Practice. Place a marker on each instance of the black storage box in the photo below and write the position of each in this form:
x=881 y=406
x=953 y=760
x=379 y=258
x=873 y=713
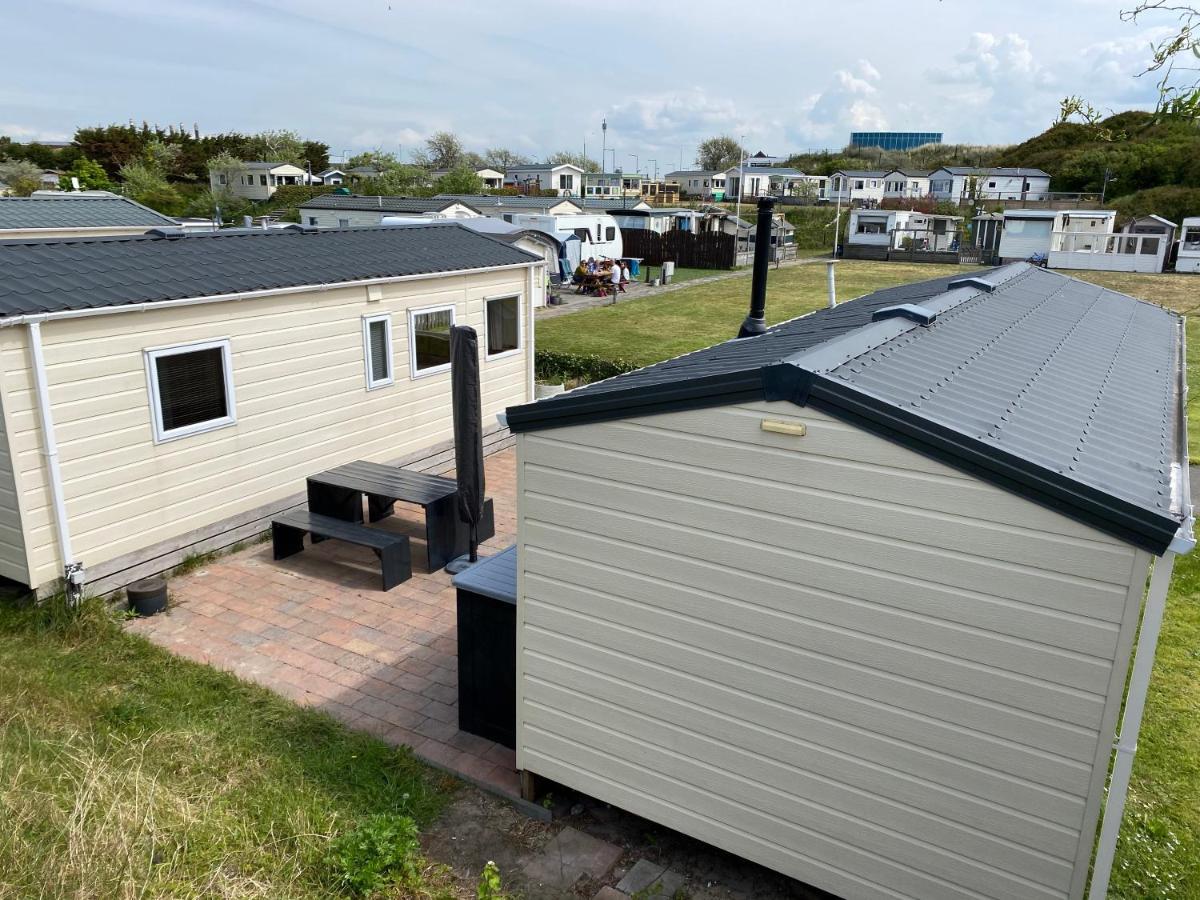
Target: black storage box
x=487 y=648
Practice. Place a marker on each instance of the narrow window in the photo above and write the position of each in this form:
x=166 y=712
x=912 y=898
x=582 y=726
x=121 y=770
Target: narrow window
x=503 y=325
x=262 y=180
x=610 y=233
x=191 y=389
x=429 y=339
x=377 y=350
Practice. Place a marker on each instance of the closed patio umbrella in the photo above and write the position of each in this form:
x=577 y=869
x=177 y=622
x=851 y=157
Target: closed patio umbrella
x=468 y=434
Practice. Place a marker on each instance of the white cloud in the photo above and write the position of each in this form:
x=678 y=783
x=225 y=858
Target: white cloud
x=850 y=102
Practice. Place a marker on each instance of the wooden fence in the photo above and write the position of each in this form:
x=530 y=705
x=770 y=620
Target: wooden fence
x=710 y=250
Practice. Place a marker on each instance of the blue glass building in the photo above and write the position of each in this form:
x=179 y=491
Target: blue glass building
x=894 y=140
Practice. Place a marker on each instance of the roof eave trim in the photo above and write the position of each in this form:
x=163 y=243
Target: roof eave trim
x=144 y=306
x=1135 y=525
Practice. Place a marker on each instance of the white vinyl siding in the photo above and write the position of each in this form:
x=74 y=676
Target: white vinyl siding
x=13 y=562
x=827 y=653
x=301 y=408
x=377 y=350
x=1022 y=238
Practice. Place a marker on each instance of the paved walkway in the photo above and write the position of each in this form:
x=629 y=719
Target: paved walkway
x=637 y=289
x=317 y=629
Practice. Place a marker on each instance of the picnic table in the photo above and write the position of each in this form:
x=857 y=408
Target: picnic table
x=338 y=493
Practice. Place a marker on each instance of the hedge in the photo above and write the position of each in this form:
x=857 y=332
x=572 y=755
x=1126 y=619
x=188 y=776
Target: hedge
x=551 y=366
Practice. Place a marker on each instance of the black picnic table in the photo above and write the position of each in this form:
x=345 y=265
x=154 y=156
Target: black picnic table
x=338 y=492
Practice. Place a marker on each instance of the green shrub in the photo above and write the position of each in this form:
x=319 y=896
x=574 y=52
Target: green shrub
x=551 y=365
x=489 y=887
x=380 y=850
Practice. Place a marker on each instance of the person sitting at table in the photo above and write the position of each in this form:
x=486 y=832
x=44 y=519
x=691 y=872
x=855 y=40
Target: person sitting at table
x=581 y=274
x=615 y=277
x=591 y=265
x=624 y=274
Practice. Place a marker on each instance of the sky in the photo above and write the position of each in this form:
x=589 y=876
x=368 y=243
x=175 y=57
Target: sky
x=539 y=76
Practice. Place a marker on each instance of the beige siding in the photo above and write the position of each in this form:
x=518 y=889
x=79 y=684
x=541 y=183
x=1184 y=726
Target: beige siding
x=41 y=233
x=828 y=654
x=301 y=401
x=13 y=562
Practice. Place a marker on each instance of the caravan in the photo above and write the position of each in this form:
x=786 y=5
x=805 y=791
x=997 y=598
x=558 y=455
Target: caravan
x=599 y=235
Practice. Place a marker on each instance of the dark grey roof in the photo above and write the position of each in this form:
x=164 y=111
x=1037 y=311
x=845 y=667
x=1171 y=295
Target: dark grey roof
x=50 y=275
x=483 y=202
x=70 y=211
x=861 y=173
x=1001 y=170
x=382 y=204
x=1061 y=390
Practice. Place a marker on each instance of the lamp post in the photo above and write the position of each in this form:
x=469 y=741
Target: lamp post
x=636 y=165
x=740 y=187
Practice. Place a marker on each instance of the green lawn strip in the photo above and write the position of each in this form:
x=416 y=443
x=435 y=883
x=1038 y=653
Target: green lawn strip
x=659 y=327
x=1158 y=852
x=126 y=771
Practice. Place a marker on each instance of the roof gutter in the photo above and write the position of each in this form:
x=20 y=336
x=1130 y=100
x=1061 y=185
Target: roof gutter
x=32 y=318
x=1181 y=481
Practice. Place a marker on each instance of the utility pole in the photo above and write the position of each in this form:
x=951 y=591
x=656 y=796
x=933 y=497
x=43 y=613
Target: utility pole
x=603 y=142
x=738 y=206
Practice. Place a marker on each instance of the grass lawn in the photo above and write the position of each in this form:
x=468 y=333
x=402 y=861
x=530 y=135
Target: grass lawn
x=658 y=327
x=127 y=772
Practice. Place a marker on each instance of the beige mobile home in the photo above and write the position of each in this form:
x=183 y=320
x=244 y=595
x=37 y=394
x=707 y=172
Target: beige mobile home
x=856 y=599
x=85 y=214
x=166 y=390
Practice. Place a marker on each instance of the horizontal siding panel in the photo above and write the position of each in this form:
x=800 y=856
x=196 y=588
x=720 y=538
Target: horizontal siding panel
x=856 y=633
x=545 y=748
x=1100 y=561
x=636 y=513
x=941 y=492
x=974 y=764
x=568 y=612
x=792 y=578
x=550 y=679
x=838 y=813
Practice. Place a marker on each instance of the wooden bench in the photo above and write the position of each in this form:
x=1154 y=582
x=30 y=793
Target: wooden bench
x=338 y=493
x=287 y=539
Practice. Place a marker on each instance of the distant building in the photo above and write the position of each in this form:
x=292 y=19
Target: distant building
x=350 y=210
x=565 y=178
x=894 y=140
x=258 y=180
x=70 y=215
x=968 y=183
x=612 y=184
x=698 y=183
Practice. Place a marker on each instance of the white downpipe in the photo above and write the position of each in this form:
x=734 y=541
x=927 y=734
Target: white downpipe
x=50 y=447
x=530 y=376
x=1131 y=723
x=830 y=278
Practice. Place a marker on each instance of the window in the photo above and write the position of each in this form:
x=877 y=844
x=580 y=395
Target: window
x=377 y=350
x=503 y=321
x=610 y=233
x=429 y=339
x=191 y=389
x=312 y=220
x=858 y=184
x=584 y=234
x=566 y=182
x=222 y=178
x=343 y=223
x=262 y=179
x=991 y=184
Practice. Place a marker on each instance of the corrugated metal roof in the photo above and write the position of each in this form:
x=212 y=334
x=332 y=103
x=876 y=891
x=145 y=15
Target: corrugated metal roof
x=383 y=204
x=1056 y=388
x=70 y=211
x=49 y=276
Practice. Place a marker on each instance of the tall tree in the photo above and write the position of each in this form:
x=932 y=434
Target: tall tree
x=227 y=167
x=461 y=180
x=718 y=153
x=90 y=175
x=443 y=150
x=566 y=157
x=501 y=158
x=277 y=146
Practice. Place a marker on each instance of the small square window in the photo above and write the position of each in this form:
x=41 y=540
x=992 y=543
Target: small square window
x=377 y=350
x=429 y=339
x=610 y=233
x=343 y=223
x=191 y=389
x=503 y=321
x=312 y=220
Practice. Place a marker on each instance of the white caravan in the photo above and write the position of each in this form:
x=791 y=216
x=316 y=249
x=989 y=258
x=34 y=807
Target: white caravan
x=599 y=235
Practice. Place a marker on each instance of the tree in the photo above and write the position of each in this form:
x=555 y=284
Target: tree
x=90 y=175
x=500 y=158
x=276 y=146
x=567 y=158
x=228 y=168
x=1174 y=58
x=718 y=153
x=316 y=155
x=443 y=150
x=461 y=180
x=20 y=175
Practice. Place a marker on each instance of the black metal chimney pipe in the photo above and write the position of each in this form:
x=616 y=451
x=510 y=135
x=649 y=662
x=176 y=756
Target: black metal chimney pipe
x=756 y=322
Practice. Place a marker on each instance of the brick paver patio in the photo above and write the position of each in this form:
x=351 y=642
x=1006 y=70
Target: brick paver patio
x=316 y=628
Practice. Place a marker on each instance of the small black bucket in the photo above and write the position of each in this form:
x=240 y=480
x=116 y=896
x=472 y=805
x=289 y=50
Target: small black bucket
x=148 y=596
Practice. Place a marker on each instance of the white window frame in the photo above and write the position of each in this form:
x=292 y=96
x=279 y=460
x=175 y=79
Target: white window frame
x=151 y=354
x=412 y=339
x=372 y=383
x=520 y=327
